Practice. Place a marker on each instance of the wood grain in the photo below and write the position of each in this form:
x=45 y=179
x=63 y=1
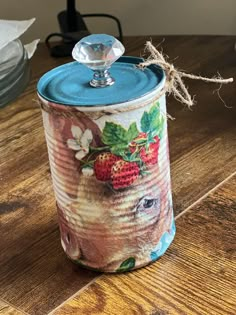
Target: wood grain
x=6 y=309
x=195 y=277
x=32 y=261
x=35 y=275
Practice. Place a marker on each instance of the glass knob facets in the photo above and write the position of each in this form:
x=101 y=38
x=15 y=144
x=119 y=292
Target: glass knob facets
x=98 y=52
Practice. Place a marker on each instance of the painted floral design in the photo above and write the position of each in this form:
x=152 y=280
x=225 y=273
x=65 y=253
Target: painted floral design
x=125 y=155
x=127 y=265
x=81 y=142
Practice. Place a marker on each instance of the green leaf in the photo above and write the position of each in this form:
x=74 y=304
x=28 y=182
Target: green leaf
x=158 y=104
x=135 y=156
x=118 y=138
x=127 y=265
x=161 y=126
x=145 y=122
x=119 y=149
x=114 y=134
x=151 y=136
x=157 y=121
x=131 y=158
x=149 y=120
x=154 y=114
x=132 y=132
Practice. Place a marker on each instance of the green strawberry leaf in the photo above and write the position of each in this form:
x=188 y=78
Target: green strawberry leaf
x=132 y=132
x=127 y=265
x=145 y=122
x=154 y=114
x=151 y=136
x=157 y=121
x=162 y=126
x=131 y=158
x=149 y=120
x=119 y=149
x=147 y=147
x=114 y=134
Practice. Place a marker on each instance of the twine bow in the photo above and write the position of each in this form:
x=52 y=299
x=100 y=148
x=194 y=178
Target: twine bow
x=174 y=77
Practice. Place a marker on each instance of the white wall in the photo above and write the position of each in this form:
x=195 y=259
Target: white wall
x=138 y=17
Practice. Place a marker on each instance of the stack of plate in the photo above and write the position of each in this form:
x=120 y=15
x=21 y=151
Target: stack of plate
x=14 y=71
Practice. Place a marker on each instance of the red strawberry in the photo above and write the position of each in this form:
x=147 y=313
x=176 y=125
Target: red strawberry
x=150 y=156
x=133 y=145
x=123 y=174
x=103 y=165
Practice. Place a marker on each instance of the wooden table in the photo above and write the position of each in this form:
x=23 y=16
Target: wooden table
x=197 y=274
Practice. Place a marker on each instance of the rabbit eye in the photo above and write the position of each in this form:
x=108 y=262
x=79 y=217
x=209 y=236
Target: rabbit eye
x=148 y=203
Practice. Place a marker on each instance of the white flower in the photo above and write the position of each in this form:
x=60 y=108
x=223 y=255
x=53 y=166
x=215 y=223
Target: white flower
x=80 y=142
x=87 y=171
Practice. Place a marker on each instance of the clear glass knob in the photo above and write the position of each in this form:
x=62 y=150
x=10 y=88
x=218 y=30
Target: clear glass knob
x=98 y=52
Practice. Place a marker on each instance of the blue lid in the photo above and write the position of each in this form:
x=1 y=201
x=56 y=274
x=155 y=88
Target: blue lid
x=69 y=83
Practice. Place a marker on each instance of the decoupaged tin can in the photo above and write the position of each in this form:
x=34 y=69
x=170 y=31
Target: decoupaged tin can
x=108 y=151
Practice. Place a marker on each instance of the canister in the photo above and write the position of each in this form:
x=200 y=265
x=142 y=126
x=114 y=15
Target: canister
x=105 y=125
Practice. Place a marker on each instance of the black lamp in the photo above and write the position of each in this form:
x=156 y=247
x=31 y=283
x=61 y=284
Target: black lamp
x=73 y=28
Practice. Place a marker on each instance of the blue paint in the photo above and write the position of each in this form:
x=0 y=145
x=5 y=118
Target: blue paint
x=164 y=243
x=69 y=83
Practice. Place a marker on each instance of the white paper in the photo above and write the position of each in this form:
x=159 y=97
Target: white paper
x=11 y=30
x=31 y=47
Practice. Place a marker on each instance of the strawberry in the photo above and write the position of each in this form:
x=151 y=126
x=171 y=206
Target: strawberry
x=103 y=165
x=150 y=155
x=124 y=173
x=142 y=137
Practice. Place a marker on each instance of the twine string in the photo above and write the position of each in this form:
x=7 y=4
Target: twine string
x=174 y=78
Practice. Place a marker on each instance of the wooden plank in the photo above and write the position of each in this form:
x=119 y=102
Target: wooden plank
x=202 y=154
x=33 y=263
x=6 y=309
x=195 y=277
